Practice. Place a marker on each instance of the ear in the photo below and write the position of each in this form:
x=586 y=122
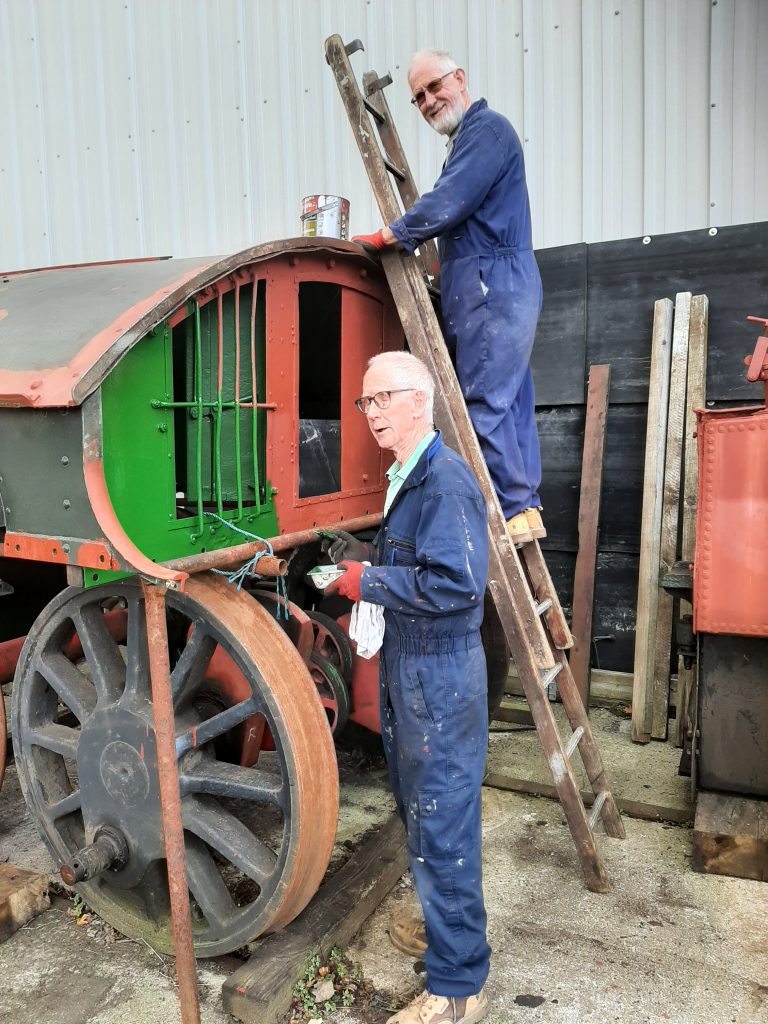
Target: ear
x=461 y=77
x=419 y=404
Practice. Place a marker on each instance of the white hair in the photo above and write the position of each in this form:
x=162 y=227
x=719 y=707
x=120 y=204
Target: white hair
x=406 y=371
x=442 y=58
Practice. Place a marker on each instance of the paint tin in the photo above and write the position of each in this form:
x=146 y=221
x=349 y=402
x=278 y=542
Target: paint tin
x=325 y=215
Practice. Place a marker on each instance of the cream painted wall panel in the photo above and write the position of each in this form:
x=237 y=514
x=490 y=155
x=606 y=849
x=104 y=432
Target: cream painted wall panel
x=613 y=118
x=154 y=127
x=739 y=112
x=676 y=115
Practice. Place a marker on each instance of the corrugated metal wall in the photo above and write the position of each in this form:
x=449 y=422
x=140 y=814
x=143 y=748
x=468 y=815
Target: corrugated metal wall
x=148 y=127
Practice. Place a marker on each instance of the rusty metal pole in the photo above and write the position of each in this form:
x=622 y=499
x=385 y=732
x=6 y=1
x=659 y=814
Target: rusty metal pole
x=170 y=800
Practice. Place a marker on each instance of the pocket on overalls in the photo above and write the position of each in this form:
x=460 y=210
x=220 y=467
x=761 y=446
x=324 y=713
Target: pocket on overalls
x=446 y=819
x=401 y=552
x=417 y=695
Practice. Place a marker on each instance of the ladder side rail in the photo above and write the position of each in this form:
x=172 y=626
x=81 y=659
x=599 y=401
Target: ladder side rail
x=390 y=138
x=568 y=792
x=544 y=590
x=587 y=748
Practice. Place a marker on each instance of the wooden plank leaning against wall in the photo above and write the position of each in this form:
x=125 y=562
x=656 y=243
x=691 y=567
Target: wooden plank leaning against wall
x=650 y=542
x=589 y=512
x=695 y=399
x=670 y=514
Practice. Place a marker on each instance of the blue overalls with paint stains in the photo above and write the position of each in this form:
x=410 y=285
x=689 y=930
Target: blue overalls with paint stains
x=490 y=293
x=432 y=555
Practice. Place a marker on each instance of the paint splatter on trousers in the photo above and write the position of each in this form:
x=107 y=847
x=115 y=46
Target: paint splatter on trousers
x=434 y=718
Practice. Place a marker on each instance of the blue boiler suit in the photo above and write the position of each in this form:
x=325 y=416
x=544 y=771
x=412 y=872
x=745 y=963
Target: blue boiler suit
x=490 y=293
x=432 y=555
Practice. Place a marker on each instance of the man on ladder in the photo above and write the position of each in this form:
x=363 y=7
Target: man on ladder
x=490 y=285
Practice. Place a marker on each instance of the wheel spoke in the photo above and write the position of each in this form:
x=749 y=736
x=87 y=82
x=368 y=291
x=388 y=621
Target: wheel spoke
x=206 y=884
x=189 y=670
x=69 y=804
x=58 y=738
x=101 y=653
x=220 y=779
x=215 y=726
x=226 y=834
x=73 y=688
x=137 y=686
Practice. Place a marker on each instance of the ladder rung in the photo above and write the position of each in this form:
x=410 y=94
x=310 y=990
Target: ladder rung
x=544 y=606
x=573 y=742
x=550 y=675
x=377 y=115
x=594 y=814
x=393 y=169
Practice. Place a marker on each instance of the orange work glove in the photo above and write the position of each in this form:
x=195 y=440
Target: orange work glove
x=348 y=585
x=371 y=243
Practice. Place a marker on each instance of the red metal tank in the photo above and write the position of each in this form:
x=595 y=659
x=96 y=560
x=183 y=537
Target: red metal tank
x=731 y=563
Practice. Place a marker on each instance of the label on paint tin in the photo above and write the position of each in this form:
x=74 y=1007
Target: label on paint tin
x=325 y=216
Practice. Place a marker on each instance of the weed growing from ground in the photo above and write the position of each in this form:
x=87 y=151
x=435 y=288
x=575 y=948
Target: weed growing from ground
x=325 y=986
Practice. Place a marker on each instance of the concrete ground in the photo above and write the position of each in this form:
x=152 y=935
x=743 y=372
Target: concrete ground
x=664 y=945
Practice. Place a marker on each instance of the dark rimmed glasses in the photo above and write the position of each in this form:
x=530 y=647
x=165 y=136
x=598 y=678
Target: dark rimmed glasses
x=382 y=399
x=432 y=88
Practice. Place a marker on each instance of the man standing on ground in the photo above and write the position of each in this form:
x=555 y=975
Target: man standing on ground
x=429 y=574
x=489 y=281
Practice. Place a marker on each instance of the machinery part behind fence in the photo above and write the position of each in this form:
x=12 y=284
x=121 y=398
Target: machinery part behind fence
x=257 y=840
x=331 y=641
x=332 y=689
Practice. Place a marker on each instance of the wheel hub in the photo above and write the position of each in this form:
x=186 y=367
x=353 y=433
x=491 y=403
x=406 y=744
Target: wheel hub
x=119 y=785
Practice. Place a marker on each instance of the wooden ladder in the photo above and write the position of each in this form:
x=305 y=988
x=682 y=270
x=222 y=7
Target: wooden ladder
x=519 y=581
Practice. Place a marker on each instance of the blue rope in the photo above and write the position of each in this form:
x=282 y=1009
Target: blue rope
x=239 y=576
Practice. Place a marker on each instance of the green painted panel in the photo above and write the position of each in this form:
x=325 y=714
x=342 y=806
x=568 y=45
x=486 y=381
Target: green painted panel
x=150 y=443
x=227 y=431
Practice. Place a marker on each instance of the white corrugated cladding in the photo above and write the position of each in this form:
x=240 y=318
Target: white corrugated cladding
x=147 y=127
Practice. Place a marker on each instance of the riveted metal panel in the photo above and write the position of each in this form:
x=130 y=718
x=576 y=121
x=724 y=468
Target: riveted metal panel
x=731 y=564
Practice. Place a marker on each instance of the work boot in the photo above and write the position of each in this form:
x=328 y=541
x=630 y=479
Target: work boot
x=429 y=1009
x=535 y=522
x=519 y=529
x=409 y=935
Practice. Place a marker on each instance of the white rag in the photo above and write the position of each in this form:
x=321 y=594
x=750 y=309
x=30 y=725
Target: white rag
x=366 y=627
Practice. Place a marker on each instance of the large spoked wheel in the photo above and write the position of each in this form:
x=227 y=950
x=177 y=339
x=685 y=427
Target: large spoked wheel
x=258 y=840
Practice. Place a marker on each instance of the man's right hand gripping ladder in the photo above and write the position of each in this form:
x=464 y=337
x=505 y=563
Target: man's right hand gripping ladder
x=519 y=581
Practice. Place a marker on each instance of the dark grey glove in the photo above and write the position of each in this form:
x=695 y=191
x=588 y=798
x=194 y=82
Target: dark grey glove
x=344 y=547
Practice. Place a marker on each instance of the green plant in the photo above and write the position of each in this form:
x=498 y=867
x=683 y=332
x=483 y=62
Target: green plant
x=337 y=982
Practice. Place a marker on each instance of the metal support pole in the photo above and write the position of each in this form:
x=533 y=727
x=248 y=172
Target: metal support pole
x=170 y=800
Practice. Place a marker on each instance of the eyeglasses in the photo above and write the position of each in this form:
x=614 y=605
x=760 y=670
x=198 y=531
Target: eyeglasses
x=382 y=399
x=431 y=87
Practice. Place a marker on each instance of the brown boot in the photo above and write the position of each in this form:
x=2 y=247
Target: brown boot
x=535 y=522
x=519 y=529
x=429 y=1009
x=409 y=935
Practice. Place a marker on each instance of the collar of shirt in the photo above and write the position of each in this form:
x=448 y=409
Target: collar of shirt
x=397 y=474
x=404 y=471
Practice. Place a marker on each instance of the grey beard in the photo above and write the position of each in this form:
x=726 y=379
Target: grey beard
x=448 y=120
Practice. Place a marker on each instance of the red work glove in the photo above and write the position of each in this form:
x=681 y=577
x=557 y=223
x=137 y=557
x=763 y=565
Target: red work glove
x=371 y=243
x=348 y=585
